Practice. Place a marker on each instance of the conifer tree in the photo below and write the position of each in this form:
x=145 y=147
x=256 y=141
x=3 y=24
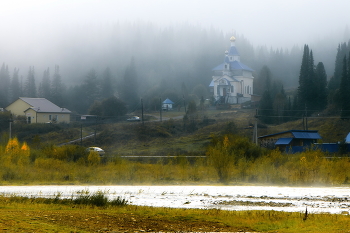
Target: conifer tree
x=344 y=90
x=321 y=86
x=45 y=85
x=266 y=108
x=29 y=87
x=107 y=85
x=303 y=78
x=334 y=82
x=130 y=85
x=57 y=88
x=16 y=90
x=307 y=90
x=4 y=85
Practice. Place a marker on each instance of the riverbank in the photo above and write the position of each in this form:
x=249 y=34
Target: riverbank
x=28 y=215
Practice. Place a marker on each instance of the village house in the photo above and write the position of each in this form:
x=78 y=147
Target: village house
x=167 y=104
x=39 y=110
x=232 y=82
x=290 y=141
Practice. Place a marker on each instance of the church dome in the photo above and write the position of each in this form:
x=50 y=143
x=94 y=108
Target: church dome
x=232 y=39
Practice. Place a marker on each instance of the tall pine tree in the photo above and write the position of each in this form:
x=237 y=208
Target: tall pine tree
x=45 y=85
x=344 y=90
x=107 y=84
x=16 y=89
x=130 y=86
x=4 y=85
x=321 y=86
x=57 y=88
x=29 y=87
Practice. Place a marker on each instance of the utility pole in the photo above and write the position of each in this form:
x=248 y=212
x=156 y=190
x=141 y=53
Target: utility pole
x=306 y=127
x=255 y=131
x=10 y=135
x=142 y=110
x=183 y=97
x=81 y=134
x=160 y=109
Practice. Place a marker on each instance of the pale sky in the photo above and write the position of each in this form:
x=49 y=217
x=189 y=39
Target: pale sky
x=277 y=23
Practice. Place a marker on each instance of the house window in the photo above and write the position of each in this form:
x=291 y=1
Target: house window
x=50 y=117
x=232 y=89
x=225 y=66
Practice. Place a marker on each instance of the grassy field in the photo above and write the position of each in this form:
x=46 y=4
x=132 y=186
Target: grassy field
x=52 y=165
x=50 y=215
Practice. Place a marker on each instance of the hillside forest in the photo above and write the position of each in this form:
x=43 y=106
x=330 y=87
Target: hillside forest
x=127 y=62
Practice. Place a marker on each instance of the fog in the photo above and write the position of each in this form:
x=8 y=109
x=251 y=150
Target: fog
x=81 y=35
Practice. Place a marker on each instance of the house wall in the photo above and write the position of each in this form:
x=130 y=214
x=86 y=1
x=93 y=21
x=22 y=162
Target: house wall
x=167 y=106
x=18 y=107
x=49 y=117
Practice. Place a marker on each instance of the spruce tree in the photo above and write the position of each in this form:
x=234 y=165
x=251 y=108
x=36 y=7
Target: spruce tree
x=4 y=85
x=307 y=91
x=266 y=108
x=344 y=90
x=45 y=85
x=303 y=78
x=57 y=87
x=29 y=87
x=321 y=86
x=130 y=86
x=16 y=90
x=107 y=84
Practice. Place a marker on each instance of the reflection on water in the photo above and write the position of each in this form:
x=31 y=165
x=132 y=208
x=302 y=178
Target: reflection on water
x=292 y=199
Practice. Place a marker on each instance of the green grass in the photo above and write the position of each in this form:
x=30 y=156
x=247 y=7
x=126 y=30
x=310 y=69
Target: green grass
x=36 y=215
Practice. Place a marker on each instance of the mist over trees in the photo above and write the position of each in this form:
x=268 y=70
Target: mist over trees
x=141 y=60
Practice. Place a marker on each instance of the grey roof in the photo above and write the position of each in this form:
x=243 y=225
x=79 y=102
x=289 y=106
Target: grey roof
x=43 y=105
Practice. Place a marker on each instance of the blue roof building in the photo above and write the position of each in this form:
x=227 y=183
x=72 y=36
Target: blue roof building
x=232 y=81
x=167 y=104
x=292 y=140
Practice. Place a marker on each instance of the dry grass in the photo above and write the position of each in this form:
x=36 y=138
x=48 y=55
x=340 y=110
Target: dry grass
x=31 y=216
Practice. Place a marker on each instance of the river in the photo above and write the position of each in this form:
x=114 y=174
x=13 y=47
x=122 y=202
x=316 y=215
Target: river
x=290 y=199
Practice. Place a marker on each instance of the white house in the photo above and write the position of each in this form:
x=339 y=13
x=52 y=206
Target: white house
x=167 y=104
x=232 y=81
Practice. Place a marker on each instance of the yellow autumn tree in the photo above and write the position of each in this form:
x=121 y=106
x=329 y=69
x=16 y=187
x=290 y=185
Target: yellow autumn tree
x=93 y=158
x=16 y=154
x=221 y=158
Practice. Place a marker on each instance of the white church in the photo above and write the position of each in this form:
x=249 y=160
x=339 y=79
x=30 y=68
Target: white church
x=232 y=81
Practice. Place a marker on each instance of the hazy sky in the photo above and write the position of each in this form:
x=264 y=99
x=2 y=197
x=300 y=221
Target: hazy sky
x=34 y=31
x=279 y=23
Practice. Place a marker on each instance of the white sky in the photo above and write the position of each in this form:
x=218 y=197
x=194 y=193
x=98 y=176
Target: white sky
x=277 y=23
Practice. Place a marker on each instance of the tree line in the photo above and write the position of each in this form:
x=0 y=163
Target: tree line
x=316 y=94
